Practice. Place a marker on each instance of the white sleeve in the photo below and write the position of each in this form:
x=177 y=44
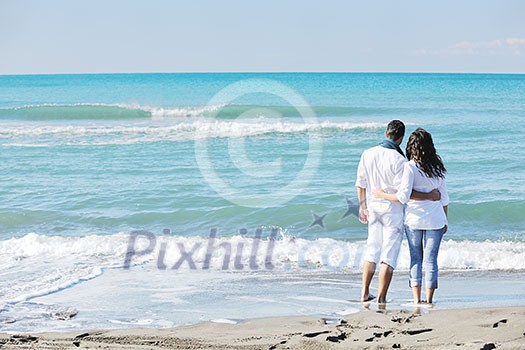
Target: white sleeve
x=361 y=180
x=404 y=189
x=444 y=192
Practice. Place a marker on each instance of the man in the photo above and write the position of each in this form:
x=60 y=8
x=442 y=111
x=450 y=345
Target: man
x=381 y=167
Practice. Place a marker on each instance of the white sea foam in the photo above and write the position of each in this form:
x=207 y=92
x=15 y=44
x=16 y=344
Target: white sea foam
x=287 y=252
x=224 y=320
x=165 y=124
x=35 y=265
x=131 y=133
x=156 y=112
x=163 y=113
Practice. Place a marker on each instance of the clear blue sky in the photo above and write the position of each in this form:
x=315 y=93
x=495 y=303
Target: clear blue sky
x=65 y=36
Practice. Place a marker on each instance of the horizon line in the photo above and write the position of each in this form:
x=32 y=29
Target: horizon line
x=262 y=72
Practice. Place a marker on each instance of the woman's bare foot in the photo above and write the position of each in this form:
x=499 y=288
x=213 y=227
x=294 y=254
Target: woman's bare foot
x=366 y=298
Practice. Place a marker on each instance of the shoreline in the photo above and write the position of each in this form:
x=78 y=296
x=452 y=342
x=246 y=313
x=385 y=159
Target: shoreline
x=185 y=299
x=483 y=328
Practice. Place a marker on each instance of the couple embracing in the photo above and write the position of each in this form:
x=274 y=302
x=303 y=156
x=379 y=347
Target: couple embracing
x=397 y=196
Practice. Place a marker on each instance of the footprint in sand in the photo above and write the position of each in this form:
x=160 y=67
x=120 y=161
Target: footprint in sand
x=496 y=325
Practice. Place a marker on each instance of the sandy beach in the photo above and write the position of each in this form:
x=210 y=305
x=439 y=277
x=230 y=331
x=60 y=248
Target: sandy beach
x=486 y=328
x=196 y=174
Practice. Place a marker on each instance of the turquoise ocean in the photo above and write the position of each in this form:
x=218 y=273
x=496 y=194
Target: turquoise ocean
x=267 y=163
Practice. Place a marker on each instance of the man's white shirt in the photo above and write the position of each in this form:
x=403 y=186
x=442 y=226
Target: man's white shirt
x=381 y=168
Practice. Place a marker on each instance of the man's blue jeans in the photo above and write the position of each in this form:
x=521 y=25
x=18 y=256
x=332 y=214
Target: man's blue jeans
x=424 y=248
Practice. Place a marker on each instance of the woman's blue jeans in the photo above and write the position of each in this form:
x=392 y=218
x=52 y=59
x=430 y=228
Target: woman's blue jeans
x=424 y=248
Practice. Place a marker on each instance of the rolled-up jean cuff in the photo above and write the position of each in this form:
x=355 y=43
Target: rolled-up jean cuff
x=414 y=283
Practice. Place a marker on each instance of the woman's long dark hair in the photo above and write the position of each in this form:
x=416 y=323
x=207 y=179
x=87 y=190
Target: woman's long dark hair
x=420 y=149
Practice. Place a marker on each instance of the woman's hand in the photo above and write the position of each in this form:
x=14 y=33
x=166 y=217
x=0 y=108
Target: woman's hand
x=445 y=229
x=378 y=193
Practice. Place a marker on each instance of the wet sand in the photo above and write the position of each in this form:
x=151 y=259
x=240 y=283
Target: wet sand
x=486 y=328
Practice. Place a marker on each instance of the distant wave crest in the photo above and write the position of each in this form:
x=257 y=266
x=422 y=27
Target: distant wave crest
x=41 y=135
x=133 y=111
x=101 y=111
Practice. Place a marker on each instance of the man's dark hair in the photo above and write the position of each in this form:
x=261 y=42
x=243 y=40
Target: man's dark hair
x=395 y=129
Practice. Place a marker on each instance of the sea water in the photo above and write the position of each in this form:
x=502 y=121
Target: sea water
x=263 y=163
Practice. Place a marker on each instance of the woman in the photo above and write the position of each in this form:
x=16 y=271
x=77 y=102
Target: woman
x=425 y=221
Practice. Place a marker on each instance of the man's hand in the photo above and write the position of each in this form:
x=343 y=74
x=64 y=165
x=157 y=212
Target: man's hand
x=363 y=215
x=434 y=195
x=363 y=212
